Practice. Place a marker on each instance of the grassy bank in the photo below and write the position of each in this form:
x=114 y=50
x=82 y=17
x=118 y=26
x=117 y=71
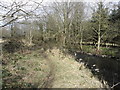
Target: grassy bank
x=49 y=69
x=103 y=50
x=71 y=74
x=26 y=71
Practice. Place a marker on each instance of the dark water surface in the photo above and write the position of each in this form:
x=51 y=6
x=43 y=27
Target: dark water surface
x=104 y=68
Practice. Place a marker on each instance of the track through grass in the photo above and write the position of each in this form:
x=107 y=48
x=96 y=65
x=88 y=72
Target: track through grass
x=67 y=73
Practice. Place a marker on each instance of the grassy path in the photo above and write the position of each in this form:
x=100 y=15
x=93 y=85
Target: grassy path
x=48 y=81
x=50 y=69
x=65 y=72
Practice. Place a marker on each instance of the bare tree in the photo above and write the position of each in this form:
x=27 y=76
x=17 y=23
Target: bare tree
x=17 y=10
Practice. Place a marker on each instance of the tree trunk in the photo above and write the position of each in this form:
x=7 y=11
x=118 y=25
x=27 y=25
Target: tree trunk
x=81 y=39
x=12 y=31
x=30 y=38
x=99 y=33
x=98 y=47
x=64 y=37
x=99 y=37
x=81 y=43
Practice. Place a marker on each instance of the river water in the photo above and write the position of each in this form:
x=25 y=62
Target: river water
x=104 y=68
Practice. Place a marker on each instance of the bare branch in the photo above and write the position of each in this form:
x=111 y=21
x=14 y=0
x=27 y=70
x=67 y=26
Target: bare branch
x=9 y=22
x=115 y=85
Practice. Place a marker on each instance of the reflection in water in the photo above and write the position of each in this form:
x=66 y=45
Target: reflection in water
x=104 y=68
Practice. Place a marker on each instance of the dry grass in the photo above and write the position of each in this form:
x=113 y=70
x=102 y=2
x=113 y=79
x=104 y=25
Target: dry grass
x=65 y=71
x=68 y=74
x=27 y=72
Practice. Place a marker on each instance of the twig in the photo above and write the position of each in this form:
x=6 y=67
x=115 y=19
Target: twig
x=9 y=22
x=115 y=85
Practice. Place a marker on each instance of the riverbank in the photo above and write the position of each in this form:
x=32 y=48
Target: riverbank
x=104 y=68
x=71 y=74
x=103 y=52
x=49 y=69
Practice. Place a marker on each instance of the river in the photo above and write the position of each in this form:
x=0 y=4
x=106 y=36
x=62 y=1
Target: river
x=104 y=68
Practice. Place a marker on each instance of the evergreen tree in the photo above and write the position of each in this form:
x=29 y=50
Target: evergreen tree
x=100 y=23
x=115 y=24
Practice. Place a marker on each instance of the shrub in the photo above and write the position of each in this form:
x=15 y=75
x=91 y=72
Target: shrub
x=12 y=46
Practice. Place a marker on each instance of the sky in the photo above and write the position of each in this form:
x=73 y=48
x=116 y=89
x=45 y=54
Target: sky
x=31 y=2
x=65 y=0
x=44 y=2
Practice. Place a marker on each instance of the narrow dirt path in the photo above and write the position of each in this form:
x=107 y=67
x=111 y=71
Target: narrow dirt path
x=65 y=73
x=48 y=81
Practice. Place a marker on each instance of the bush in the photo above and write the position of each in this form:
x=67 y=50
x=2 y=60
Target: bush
x=12 y=46
x=109 y=51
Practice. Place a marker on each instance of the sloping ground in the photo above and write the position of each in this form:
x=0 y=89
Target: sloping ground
x=48 y=81
x=29 y=71
x=69 y=73
x=51 y=69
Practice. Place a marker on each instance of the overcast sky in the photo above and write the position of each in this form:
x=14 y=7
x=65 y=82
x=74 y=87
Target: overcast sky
x=44 y=2
x=65 y=0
